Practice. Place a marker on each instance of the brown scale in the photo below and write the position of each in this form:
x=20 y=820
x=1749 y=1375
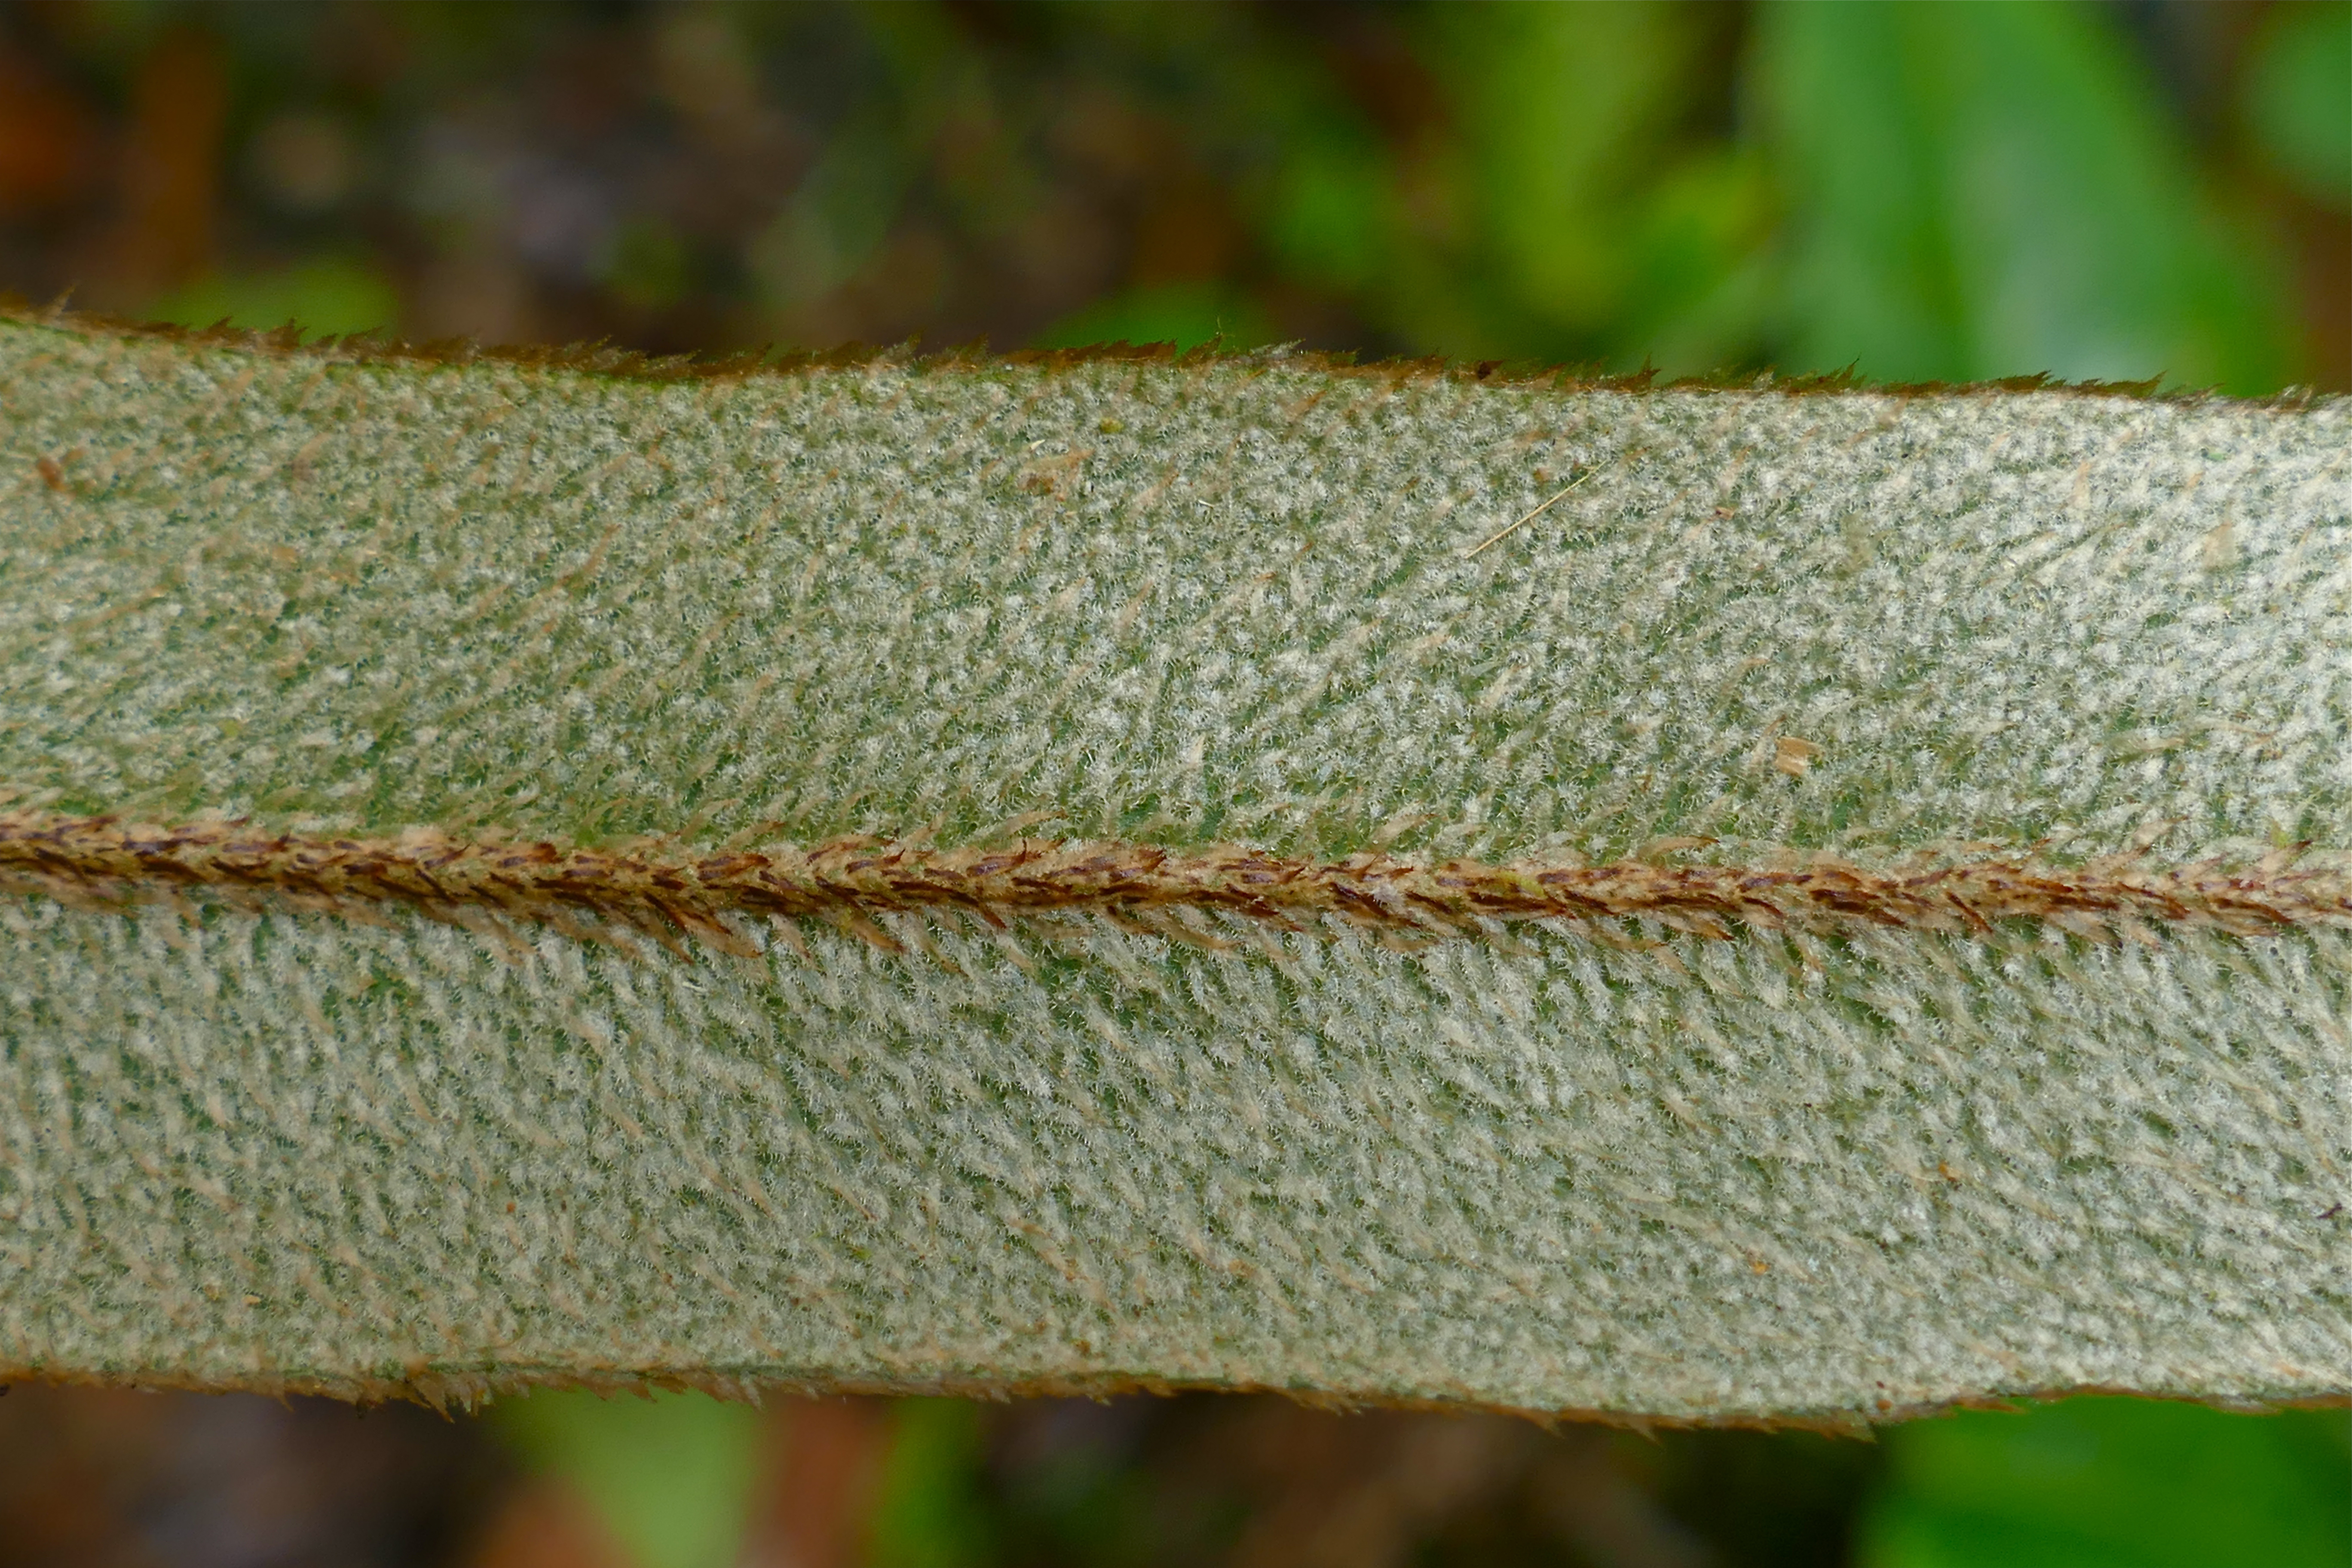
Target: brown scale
x=107 y=860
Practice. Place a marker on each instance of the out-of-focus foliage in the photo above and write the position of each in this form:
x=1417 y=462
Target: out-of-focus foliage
x=670 y=1475
x=1561 y=195
x=1975 y=191
x=331 y=295
x=2298 y=97
x=1915 y=191
x=2115 y=1483
x=135 y=1478
x=928 y=1512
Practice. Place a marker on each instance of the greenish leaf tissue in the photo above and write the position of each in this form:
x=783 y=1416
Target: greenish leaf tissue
x=1738 y=903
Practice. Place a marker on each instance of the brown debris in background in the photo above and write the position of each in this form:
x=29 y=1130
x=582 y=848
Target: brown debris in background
x=1251 y=1482
x=170 y=169
x=48 y=139
x=118 y=1479
x=545 y=1524
x=820 y=1476
x=126 y=1479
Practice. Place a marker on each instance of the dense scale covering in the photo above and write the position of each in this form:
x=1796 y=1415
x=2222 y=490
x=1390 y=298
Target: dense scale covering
x=1238 y=601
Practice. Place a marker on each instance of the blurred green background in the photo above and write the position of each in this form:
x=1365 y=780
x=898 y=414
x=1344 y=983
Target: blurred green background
x=1917 y=191
x=2142 y=190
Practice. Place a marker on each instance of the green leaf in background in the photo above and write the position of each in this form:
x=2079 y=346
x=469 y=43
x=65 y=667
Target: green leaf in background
x=651 y=266
x=1185 y=314
x=929 y=1512
x=670 y=1475
x=330 y=296
x=1560 y=206
x=1978 y=190
x=1702 y=294
x=841 y=220
x=2298 y=104
x=1327 y=208
x=2114 y=1483
x=1560 y=108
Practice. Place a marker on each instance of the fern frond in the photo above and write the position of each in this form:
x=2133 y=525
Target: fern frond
x=1729 y=903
